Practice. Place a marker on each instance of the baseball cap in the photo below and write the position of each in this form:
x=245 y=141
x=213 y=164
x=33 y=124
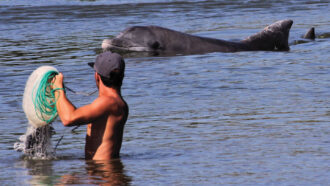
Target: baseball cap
x=107 y=62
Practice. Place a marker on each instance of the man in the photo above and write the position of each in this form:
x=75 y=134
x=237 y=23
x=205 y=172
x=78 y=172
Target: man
x=106 y=115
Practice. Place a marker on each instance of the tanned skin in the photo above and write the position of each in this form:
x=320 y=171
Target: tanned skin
x=105 y=118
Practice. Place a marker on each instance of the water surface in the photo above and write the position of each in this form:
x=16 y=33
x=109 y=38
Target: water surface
x=249 y=118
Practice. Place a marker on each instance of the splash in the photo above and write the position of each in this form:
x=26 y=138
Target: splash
x=36 y=143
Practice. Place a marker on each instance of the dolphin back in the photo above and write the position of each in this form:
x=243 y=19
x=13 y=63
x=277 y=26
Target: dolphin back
x=272 y=37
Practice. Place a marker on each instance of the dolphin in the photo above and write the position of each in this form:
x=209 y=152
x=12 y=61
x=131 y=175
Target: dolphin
x=310 y=34
x=306 y=38
x=155 y=40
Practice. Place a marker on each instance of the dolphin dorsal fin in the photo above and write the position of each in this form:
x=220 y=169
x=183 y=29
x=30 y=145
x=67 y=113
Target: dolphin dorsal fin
x=272 y=37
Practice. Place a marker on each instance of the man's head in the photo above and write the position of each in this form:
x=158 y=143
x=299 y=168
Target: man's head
x=110 y=67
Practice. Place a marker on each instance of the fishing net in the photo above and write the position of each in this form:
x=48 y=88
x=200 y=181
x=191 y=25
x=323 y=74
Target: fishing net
x=39 y=105
x=39 y=102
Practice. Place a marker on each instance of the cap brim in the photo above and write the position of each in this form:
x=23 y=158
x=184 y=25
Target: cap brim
x=91 y=64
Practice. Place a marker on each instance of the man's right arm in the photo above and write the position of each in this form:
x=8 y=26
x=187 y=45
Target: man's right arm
x=70 y=115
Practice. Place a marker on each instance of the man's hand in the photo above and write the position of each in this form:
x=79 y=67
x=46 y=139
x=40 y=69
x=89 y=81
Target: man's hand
x=58 y=81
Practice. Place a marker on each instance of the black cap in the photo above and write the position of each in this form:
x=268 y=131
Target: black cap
x=107 y=62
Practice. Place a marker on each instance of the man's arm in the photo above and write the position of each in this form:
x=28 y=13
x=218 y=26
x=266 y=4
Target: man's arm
x=69 y=114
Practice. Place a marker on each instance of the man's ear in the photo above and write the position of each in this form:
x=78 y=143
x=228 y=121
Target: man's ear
x=97 y=78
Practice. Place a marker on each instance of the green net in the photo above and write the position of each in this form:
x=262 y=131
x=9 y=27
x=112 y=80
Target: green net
x=44 y=99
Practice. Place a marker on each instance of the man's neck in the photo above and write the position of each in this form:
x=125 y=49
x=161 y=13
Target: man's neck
x=109 y=91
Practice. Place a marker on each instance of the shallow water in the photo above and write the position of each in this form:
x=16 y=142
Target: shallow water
x=249 y=118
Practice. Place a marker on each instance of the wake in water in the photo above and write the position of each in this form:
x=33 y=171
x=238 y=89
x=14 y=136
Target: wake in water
x=36 y=143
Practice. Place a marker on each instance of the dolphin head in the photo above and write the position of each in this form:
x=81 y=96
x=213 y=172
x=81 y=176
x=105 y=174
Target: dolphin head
x=132 y=39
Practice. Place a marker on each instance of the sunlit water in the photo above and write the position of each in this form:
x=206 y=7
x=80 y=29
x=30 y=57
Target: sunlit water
x=249 y=118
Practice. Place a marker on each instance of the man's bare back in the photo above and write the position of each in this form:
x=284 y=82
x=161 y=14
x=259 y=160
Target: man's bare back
x=104 y=136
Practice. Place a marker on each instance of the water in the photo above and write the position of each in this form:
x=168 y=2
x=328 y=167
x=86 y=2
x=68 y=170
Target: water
x=248 y=118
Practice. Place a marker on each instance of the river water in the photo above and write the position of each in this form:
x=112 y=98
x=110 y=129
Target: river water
x=247 y=118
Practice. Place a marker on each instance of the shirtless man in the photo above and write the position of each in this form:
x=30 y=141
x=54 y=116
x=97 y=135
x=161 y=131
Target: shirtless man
x=106 y=115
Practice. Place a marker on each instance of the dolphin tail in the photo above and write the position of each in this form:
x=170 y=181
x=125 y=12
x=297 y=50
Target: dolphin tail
x=310 y=34
x=272 y=37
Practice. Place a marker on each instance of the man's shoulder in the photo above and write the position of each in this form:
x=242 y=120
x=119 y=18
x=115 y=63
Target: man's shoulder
x=106 y=100
x=111 y=102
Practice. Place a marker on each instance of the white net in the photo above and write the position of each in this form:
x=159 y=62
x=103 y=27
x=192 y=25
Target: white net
x=36 y=143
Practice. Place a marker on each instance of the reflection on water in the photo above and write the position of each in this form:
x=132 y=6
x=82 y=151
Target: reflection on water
x=39 y=170
x=107 y=172
x=98 y=173
x=112 y=172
